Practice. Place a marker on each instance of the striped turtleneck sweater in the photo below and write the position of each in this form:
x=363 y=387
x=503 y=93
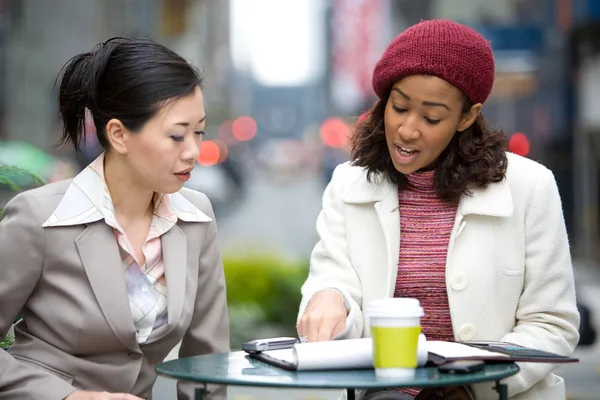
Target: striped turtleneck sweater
x=426 y=223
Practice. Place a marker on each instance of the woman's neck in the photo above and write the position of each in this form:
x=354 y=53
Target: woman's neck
x=129 y=200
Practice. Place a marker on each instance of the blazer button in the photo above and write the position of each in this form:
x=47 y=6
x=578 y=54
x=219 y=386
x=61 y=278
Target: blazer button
x=459 y=281
x=466 y=332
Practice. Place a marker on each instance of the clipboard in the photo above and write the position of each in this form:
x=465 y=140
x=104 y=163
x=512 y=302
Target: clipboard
x=491 y=351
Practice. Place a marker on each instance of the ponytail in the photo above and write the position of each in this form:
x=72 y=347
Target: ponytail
x=79 y=86
x=73 y=97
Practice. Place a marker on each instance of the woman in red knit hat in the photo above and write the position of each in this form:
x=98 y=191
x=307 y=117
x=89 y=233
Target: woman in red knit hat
x=431 y=206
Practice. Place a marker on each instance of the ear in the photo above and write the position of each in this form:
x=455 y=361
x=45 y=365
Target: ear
x=116 y=134
x=469 y=117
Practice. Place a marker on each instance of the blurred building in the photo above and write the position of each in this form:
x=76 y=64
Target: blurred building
x=297 y=66
x=37 y=37
x=583 y=28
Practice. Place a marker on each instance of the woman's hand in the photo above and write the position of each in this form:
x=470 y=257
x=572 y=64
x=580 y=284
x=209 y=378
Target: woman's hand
x=447 y=393
x=84 y=395
x=324 y=317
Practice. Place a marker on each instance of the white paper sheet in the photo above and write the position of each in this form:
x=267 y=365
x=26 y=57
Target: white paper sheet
x=458 y=350
x=337 y=354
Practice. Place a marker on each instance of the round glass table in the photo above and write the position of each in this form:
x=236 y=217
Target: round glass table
x=239 y=369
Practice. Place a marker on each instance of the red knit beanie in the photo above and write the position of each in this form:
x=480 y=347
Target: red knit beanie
x=446 y=49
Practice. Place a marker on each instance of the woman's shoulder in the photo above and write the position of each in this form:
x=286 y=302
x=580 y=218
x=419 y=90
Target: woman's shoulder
x=529 y=180
x=348 y=174
x=525 y=172
x=41 y=201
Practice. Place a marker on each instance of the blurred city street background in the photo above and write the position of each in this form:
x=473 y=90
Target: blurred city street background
x=285 y=81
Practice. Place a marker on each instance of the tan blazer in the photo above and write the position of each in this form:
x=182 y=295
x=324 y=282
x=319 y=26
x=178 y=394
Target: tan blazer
x=77 y=330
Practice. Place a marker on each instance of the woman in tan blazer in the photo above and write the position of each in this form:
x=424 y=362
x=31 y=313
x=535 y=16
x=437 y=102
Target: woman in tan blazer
x=113 y=268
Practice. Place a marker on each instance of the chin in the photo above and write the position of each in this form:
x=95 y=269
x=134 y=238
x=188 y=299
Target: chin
x=406 y=169
x=169 y=189
x=173 y=189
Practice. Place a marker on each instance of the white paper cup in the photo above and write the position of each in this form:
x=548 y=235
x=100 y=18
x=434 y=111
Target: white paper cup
x=395 y=330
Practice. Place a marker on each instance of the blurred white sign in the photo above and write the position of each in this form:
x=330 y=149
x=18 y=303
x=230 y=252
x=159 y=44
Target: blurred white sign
x=358 y=40
x=280 y=42
x=589 y=93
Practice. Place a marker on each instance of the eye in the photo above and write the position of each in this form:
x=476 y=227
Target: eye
x=177 y=138
x=432 y=121
x=200 y=133
x=399 y=109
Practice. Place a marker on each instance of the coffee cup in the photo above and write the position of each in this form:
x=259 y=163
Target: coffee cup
x=395 y=328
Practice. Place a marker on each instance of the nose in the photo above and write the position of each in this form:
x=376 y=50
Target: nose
x=192 y=150
x=408 y=129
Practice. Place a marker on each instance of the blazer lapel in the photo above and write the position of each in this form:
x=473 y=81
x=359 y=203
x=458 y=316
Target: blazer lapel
x=389 y=218
x=102 y=262
x=384 y=197
x=174 y=253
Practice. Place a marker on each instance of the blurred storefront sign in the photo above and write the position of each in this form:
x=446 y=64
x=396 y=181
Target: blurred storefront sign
x=585 y=42
x=570 y=13
x=357 y=41
x=516 y=74
x=174 y=15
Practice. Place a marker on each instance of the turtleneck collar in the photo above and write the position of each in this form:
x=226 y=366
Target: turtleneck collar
x=422 y=180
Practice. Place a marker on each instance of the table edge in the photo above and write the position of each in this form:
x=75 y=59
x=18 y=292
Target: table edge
x=292 y=385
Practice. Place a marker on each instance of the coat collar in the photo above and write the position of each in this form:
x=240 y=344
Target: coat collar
x=495 y=200
x=87 y=200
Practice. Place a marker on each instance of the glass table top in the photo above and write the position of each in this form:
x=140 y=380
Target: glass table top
x=239 y=369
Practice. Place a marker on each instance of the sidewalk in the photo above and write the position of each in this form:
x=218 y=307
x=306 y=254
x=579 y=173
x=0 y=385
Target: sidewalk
x=583 y=378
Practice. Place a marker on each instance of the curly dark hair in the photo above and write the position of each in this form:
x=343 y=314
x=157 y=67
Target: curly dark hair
x=473 y=159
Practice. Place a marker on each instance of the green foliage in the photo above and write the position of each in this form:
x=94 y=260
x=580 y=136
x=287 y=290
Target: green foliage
x=263 y=294
x=6 y=342
x=14 y=178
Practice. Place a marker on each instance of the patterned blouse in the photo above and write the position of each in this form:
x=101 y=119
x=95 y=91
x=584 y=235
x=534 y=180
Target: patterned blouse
x=88 y=200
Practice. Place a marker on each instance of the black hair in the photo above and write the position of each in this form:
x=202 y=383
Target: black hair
x=122 y=78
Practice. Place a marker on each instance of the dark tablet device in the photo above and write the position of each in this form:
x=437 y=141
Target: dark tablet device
x=461 y=366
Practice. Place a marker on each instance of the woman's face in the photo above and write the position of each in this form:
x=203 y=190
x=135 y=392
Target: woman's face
x=421 y=116
x=161 y=155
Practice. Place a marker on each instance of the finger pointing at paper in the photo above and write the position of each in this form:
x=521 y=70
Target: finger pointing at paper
x=324 y=317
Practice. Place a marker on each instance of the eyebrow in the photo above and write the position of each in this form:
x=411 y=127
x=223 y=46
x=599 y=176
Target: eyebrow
x=425 y=103
x=186 y=124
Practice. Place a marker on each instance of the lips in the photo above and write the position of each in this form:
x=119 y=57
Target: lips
x=185 y=171
x=183 y=175
x=405 y=155
x=407 y=151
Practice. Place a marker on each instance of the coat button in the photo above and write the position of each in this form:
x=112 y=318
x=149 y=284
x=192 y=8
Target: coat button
x=466 y=332
x=459 y=281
